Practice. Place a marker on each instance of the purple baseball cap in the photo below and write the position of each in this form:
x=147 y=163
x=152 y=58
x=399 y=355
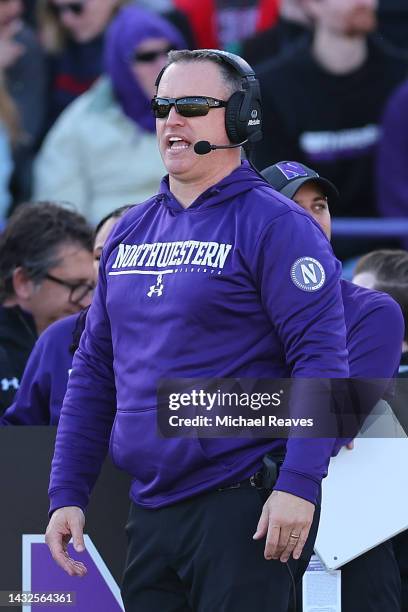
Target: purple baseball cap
x=288 y=176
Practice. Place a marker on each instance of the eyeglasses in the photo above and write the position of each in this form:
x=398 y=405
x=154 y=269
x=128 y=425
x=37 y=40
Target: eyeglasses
x=77 y=290
x=76 y=8
x=145 y=57
x=190 y=106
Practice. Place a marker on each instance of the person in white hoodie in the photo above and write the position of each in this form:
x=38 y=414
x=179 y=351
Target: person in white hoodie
x=102 y=151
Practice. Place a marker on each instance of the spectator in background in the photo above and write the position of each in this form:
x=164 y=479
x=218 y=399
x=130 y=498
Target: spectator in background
x=375 y=327
x=221 y=24
x=29 y=12
x=102 y=151
x=393 y=22
x=293 y=23
x=9 y=130
x=46 y=273
x=387 y=271
x=22 y=72
x=44 y=382
x=178 y=18
x=324 y=102
x=72 y=34
x=392 y=159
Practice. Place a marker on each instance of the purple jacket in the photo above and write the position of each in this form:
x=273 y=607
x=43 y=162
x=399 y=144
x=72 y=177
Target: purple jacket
x=44 y=382
x=375 y=331
x=208 y=291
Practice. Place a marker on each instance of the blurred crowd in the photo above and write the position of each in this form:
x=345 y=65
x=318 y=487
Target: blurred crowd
x=76 y=78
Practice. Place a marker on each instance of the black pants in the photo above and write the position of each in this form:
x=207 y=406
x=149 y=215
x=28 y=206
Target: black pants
x=199 y=556
x=370 y=583
x=400 y=544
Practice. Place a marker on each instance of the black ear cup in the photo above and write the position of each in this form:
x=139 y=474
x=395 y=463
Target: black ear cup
x=243 y=115
x=232 y=123
x=253 y=117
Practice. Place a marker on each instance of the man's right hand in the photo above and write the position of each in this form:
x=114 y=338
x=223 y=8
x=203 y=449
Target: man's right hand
x=64 y=523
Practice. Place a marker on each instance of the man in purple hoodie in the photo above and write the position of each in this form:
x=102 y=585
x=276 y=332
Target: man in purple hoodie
x=206 y=279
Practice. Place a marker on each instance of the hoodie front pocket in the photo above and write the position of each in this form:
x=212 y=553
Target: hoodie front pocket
x=157 y=463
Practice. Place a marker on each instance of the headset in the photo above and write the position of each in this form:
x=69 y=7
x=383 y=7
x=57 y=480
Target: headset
x=243 y=113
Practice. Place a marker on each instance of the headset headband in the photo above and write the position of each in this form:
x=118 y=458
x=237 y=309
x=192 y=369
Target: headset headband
x=238 y=63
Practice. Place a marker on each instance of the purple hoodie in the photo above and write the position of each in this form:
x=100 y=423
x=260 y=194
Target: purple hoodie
x=375 y=331
x=130 y=27
x=208 y=291
x=44 y=382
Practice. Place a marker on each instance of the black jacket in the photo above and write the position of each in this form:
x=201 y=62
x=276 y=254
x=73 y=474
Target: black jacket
x=17 y=338
x=270 y=43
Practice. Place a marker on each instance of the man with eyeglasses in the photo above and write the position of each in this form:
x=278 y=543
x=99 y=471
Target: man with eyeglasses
x=46 y=273
x=202 y=280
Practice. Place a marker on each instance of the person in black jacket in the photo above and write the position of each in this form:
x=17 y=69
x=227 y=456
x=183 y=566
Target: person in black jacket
x=293 y=24
x=323 y=102
x=46 y=273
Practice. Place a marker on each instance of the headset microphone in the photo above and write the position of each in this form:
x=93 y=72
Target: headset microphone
x=202 y=147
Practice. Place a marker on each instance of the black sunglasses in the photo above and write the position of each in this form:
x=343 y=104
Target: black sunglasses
x=77 y=290
x=189 y=106
x=69 y=7
x=150 y=56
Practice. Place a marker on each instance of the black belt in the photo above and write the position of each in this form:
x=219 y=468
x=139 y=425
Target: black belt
x=254 y=481
x=264 y=478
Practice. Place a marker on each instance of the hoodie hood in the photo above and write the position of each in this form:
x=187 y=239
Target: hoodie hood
x=241 y=180
x=128 y=30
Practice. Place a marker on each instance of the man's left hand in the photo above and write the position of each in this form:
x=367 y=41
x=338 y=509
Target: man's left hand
x=285 y=520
